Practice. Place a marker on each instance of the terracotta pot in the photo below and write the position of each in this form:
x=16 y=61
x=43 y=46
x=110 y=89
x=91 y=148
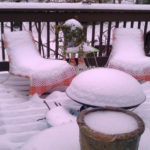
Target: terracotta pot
x=95 y=140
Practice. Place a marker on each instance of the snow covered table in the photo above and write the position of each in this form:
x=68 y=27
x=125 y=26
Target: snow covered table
x=56 y=138
x=106 y=87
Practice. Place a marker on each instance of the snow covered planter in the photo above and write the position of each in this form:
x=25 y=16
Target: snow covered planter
x=73 y=37
x=74 y=48
x=73 y=33
x=109 y=128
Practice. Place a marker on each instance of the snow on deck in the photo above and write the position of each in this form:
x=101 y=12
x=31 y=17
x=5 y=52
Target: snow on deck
x=21 y=116
x=68 y=6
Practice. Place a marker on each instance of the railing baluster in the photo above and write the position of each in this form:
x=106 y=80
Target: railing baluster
x=57 y=42
x=2 y=43
x=101 y=38
x=85 y=30
x=108 y=38
x=139 y=24
x=11 y=26
x=124 y=24
x=117 y=24
x=21 y=24
x=30 y=26
x=48 y=39
x=132 y=24
x=145 y=27
x=93 y=33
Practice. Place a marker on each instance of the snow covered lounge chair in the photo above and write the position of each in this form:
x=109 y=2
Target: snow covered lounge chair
x=128 y=53
x=25 y=60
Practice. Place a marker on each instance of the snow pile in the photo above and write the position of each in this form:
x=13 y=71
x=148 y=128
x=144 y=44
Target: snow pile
x=65 y=137
x=56 y=138
x=18 y=119
x=88 y=48
x=106 y=87
x=110 y=122
x=84 y=47
x=59 y=116
x=128 y=52
x=73 y=24
x=30 y=63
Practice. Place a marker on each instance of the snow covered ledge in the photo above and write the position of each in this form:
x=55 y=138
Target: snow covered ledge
x=71 y=6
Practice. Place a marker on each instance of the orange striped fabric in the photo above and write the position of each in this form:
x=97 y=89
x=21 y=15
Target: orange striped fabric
x=41 y=86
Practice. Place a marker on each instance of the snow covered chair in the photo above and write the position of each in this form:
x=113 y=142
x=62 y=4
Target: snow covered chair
x=25 y=60
x=128 y=53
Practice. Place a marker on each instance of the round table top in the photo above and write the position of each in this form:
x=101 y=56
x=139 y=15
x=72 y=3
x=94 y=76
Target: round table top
x=66 y=137
x=106 y=87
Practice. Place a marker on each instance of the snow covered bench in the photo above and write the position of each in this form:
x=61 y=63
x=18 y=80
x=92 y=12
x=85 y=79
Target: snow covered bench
x=128 y=53
x=25 y=60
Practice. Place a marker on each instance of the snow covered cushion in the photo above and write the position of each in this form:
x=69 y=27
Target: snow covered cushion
x=21 y=50
x=125 y=32
x=128 y=53
x=128 y=41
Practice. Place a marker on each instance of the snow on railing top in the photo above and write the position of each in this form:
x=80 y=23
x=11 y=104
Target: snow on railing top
x=73 y=6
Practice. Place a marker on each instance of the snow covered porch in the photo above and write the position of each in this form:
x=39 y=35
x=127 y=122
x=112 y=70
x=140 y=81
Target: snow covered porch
x=21 y=116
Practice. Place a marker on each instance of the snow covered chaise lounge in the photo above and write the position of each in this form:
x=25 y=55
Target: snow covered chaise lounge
x=25 y=60
x=128 y=53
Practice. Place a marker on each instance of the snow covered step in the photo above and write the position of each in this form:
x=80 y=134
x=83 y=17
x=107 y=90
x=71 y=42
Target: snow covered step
x=8 y=113
x=21 y=119
x=6 y=144
x=14 y=141
x=18 y=81
x=20 y=87
x=12 y=100
x=15 y=107
x=21 y=106
x=40 y=125
x=15 y=101
x=21 y=137
x=13 y=78
x=9 y=95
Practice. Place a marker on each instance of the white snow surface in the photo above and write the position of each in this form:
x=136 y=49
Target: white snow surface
x=59 y=116
x=73 y=23
x=19 y=113
x=128 y=51
x=57 y=138
x=106 y=87
x=65 y=137
x=30 y=63
x=73 y=6
x=85 y=47
x=110 y=122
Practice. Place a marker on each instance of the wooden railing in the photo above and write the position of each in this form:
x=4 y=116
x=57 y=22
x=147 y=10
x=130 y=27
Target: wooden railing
x=98 y=21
